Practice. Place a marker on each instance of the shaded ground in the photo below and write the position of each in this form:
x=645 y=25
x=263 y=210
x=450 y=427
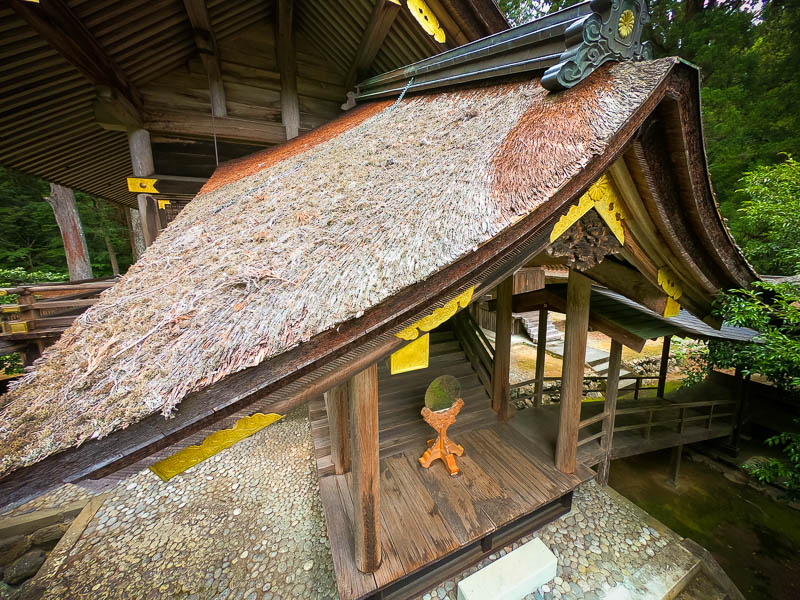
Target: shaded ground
x=755 y=539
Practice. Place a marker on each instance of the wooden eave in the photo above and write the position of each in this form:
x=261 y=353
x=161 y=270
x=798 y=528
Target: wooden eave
x=330 y=358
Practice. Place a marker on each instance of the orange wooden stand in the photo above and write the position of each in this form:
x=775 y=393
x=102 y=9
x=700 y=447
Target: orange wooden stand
x=442 y=447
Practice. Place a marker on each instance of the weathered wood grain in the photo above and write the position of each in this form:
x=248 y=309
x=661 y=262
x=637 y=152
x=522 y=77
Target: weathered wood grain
x=336 y=401
x=363 y=397
x=577 y=311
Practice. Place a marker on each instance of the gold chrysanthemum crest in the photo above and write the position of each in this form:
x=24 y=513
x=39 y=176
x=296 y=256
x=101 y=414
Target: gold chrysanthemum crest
x=626 y=22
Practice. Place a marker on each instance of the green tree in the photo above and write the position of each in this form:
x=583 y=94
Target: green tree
x=30 y=238
x=770 y=223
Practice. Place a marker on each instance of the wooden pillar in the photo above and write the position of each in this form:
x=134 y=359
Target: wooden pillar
x=663 y=366
x=501 y=388
x=363 y=397
x=741 y=394
x=62 y=201
x=579 y=290
x=337 y=406
x=675 y=465
x=610 y=410
x=541 y=354
x=142 y=163
x=284 y=49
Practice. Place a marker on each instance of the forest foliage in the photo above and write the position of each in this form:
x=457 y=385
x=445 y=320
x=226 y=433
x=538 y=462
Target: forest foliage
x=747 y=52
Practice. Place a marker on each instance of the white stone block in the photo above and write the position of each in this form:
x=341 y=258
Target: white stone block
x=512 y=576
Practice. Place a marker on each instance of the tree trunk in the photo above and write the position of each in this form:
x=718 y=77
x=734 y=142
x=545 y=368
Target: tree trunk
x=62 y=200
x=112 y=255
x=137 y=234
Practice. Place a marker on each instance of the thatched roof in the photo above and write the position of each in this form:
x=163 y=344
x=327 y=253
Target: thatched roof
x=292 y=242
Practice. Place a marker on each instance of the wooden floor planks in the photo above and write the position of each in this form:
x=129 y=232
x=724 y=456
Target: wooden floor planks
x=425 y=513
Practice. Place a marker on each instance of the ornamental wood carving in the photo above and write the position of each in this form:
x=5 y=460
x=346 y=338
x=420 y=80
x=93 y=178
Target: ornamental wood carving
x=442 y=447
x=586 y=243
x=611 y=32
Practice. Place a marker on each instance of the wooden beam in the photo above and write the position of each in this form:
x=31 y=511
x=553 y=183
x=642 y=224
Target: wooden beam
x=578 y=296
x=284 y=49
x=363 y=396
x=206 y=43
x=199 y=125
x=630 y=283
x=336 y=403
x=383 y=15
x=62 y=29
x=610 y=410
x=142 y=163
x=539 y=299
x=62 y=201
x=541 y=355
x=663 y=366
x=501 y=388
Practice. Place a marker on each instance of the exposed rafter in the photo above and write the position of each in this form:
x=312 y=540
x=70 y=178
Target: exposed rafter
x=206 y=43
x=67 y=34
x=383 y=15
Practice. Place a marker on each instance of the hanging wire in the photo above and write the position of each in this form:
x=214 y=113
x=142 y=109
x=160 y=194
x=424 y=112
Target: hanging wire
x=213 y=121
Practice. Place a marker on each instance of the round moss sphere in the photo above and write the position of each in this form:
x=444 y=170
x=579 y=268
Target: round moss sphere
x=442 y=393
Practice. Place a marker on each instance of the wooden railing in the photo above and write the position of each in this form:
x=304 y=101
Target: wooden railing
x=45 y=310
x=637 y=388
x=476 y=346
x=678 y=422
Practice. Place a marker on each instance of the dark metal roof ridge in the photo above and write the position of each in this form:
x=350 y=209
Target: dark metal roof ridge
x=570 y=44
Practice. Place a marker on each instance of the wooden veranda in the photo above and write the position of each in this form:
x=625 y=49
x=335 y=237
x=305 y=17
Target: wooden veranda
x=432 y=524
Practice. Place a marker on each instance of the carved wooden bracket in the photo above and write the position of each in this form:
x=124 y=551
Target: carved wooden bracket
x=586 y=243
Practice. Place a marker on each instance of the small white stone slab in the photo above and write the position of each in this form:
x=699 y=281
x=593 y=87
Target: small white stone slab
x=512 y=576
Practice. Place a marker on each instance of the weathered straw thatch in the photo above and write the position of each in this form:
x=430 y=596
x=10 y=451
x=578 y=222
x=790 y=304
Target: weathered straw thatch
x=292 y=242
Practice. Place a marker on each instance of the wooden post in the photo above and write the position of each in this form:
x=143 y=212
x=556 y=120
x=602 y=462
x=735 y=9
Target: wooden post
x=284 y=49
x=662 y=368
x=336 y=403
x=142 y=163
x=363 y=397
x=675 y=464
x=579 y=290
x=62 y=200
x=541 y=353
x=502 y=350
x=610 y=410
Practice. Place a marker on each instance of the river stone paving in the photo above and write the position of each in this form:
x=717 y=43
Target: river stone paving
x=60 y=496
x=245 y=524
x=606 y=548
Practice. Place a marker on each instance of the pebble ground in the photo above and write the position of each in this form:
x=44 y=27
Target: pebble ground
x=599 y=545
x=245 y=524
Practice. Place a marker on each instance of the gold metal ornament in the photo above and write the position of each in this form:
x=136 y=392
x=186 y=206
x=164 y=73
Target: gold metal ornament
x=604 y=199
x=411 y=357
x=626 y=22
x=437 y=317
